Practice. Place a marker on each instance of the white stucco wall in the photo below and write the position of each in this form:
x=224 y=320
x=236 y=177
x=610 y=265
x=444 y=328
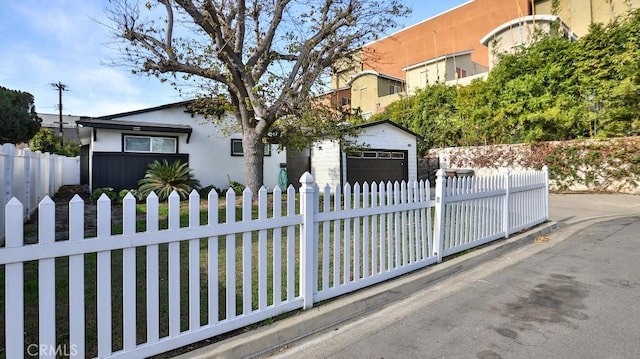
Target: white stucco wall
x=325 y=163
x=209 y=147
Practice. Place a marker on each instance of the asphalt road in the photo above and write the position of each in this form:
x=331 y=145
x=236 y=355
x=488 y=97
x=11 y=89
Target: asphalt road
x=575 y=296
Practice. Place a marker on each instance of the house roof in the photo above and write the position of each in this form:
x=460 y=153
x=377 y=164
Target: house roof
x=133 y=125
x=531 y=19
x=144 y=110
x=388 y=122
x=375 y=73
x=332 y=91
x=110 y=122
x=439 y=58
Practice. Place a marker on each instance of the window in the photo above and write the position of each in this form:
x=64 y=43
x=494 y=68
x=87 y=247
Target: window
x=460 y=73
x=372 y=155
x=236 y=148
x=393 y=89
x=150 y=144
x=345 y=101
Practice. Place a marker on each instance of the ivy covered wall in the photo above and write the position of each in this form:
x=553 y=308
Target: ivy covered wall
x=611 y=165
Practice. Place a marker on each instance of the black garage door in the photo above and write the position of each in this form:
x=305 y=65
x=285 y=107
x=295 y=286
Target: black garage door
x=377 y=165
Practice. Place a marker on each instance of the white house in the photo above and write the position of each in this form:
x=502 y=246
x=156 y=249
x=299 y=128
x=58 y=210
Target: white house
x=117 y=149
x=389 y=154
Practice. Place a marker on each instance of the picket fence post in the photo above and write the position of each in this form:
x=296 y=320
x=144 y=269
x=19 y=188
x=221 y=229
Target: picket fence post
x=307 y=191
x=76 y=276
x=47 y=277
x=14 y=274
x=438 y=229
x=38 y=176
x=103 y=269
x=28 y=175
x=506 y=180
x=545 y=171
x=8 y=171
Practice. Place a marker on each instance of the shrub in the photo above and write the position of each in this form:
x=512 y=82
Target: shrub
x=164 y=178
x=110 y=192
x=204 y=191
x=236 y=186
x=123 y=193
x=46 y=140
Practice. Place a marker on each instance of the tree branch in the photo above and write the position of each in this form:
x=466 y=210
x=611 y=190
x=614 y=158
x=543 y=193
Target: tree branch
x=263 y=63
x=169 y=35
x=263 y=47
x=240 y=26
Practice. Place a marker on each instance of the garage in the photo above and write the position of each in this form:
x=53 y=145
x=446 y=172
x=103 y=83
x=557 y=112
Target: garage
x=377 y=165
x=381 y=151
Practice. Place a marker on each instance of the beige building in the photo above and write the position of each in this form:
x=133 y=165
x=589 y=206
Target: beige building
x=345 y=69
x=371 y=91
x=447 y=69
x=579 y=14
x=520 y=32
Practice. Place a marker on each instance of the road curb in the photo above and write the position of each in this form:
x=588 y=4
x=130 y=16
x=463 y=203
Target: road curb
x=271 y=337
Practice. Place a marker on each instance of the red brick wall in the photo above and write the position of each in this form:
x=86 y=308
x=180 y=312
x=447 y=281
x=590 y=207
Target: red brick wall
x=457 y=30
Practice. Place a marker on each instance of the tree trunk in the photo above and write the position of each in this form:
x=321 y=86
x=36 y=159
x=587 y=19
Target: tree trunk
x=253 y=149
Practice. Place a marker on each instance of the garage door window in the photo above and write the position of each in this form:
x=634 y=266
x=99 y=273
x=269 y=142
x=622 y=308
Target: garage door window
x=372 y=155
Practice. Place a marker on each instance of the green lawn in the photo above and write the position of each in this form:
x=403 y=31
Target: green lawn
x=62 y=287
x=62 y=310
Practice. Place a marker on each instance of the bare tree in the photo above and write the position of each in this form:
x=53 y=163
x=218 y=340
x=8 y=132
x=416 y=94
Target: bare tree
x=264 y=55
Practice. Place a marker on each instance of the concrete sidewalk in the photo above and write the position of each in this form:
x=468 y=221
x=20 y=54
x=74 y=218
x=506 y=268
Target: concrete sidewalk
x=569 y=214
x=568 y=209
x=573 y=297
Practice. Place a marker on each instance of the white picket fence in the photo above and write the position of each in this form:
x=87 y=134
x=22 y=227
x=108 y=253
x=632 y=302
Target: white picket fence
x=192 y=281
x=30 y=176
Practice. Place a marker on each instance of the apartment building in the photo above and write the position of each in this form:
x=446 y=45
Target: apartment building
x=456 y=46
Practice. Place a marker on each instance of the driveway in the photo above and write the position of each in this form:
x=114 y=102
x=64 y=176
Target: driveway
x=574 y=294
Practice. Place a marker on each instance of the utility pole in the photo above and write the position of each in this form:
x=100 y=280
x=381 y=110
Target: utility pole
x=61 y=87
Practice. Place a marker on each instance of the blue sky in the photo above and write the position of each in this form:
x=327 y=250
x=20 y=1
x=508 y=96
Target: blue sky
x=45 y=41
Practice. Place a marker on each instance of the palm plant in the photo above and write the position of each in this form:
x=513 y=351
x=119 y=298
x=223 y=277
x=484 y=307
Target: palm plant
x=164 y=178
